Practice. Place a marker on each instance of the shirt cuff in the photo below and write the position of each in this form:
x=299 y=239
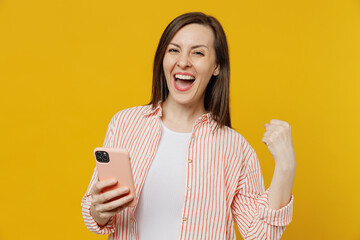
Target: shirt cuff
x=90 y=221
x=279 y=217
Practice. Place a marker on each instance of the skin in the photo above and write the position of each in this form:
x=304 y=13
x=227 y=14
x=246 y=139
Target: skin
x=192 y=51
x=102 y=207
x=278 y=139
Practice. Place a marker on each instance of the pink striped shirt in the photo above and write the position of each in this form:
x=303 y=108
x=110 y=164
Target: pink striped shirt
x=223 y=181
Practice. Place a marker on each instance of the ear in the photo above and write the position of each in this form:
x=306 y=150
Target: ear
x=216 y=70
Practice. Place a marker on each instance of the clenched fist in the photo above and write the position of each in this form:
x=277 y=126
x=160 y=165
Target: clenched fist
x=278 y=139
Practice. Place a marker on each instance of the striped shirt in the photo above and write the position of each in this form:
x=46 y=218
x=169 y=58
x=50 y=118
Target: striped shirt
x=224 y=182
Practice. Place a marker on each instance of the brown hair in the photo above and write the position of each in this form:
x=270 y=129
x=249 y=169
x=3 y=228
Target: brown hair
x=216 y=99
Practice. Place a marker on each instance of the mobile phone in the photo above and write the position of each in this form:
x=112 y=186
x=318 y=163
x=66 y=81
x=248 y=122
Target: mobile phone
x=115 y=163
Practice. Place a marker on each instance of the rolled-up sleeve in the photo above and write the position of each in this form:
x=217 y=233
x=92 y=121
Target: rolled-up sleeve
x=250 y=207
x=279 y=217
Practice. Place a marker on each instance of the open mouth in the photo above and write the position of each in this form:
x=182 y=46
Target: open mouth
x=183 y=82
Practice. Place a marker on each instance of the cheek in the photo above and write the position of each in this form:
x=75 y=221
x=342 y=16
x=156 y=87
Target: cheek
x=167 y=64
x=206 y=72
x=167 y=71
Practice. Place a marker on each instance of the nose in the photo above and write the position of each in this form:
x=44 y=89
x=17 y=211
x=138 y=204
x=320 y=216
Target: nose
x=184 y=61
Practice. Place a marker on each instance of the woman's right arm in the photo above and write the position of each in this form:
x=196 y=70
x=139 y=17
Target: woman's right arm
x=96 y=211
x=103 y=205
x=97 y=220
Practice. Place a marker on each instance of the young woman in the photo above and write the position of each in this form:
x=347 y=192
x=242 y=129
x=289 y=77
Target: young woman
x=193 y=174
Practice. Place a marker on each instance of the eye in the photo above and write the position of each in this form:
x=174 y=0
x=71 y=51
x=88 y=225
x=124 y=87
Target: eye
x=199 y=53
x=173 y=50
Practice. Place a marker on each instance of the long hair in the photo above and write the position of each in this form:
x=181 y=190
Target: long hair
x=216 y=99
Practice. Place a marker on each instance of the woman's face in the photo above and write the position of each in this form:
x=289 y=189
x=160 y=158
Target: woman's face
x=189 y=63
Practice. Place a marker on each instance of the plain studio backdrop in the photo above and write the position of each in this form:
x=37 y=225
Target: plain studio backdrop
x=66 y=67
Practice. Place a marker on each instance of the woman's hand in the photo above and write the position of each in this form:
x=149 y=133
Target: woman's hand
x=278 y=139
x=103 y=205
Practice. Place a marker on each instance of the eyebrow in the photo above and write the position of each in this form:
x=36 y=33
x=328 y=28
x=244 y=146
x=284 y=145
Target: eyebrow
x=195 y=46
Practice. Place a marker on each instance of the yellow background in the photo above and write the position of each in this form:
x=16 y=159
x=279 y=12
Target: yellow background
x=66 y=67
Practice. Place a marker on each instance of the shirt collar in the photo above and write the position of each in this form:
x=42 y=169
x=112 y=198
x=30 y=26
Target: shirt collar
x=210 y=120
x=153 y=111
x=207 y=117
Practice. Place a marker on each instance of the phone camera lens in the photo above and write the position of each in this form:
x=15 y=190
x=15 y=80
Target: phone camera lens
x=102 y=156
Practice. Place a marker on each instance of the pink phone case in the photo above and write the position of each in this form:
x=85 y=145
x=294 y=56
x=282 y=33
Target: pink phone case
x=118 y=167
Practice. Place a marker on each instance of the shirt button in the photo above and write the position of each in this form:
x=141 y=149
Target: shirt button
x=190 y=161
x=188 y=188
x=184 y=219
x=193 y=135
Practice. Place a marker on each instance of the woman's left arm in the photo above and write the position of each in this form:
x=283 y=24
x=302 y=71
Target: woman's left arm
x=278 y=139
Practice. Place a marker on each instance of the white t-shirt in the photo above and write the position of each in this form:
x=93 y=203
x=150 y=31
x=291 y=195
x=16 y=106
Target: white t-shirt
x=159 y=210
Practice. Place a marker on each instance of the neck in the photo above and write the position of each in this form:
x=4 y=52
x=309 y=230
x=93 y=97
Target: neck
x=179 y=117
